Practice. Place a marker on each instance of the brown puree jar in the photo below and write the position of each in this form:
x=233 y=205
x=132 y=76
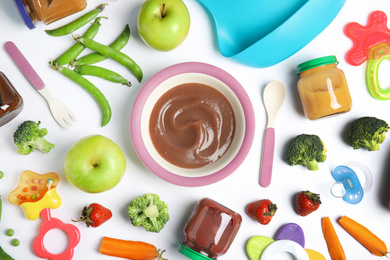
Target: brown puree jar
x=210 y=231
x=11 y=103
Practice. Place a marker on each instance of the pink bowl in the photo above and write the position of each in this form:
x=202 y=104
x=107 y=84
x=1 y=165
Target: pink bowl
x=185 y=73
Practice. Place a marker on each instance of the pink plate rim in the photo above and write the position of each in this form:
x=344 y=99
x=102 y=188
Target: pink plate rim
x=156 y=80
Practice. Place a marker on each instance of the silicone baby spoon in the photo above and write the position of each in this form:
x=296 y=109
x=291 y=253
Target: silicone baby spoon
x=370 y=43
x=36 y=194
x=273 y=97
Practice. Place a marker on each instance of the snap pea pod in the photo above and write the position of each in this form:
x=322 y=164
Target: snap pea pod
x=74 y=51
x=76 y=24
x=118 y=56
x=4 y=255
x=92 y=90
x=118 y=44
x=100 y=72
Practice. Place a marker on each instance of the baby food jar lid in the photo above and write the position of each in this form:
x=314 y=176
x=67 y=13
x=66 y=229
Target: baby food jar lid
x=191 y=253
x=24 y=14
x=316 y=63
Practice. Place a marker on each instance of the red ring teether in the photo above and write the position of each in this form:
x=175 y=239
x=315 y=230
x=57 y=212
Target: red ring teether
x=52 y=223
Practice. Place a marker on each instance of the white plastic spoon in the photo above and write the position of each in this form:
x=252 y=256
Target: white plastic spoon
x=273 y=97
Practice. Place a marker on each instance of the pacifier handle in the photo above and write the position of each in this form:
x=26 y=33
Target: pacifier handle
x=48 y=224
x=338 y=189
x=377 y=55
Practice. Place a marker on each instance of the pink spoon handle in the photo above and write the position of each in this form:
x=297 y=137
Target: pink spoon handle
x=268 y=157
x=24 y=66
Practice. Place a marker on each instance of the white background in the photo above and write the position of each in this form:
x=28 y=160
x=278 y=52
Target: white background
x=235 y=191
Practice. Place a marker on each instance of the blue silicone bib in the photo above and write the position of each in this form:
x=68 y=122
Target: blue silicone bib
x=262 y=33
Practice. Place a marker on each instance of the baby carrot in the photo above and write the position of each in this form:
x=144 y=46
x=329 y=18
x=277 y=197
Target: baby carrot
x=135 y=250
x=335 y=249
x=364 y=236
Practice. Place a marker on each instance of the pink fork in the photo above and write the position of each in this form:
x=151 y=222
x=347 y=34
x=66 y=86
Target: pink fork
x=61 y=113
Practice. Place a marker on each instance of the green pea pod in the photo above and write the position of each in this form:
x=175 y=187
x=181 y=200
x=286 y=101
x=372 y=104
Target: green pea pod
x=118 y=56
x=4 y=255
x=92 y=90
x=118 y=44
x=102 y=73
x=76 y=24
x=73 y=52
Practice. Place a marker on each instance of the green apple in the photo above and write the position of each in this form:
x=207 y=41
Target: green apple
x=163 y=24
x=94 y=164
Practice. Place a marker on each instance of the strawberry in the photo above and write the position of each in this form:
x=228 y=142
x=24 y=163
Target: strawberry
x=94 y=215
x=306 y=202
x=261 y=211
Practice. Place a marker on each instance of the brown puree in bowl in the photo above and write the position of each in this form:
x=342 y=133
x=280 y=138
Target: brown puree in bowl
x=192 y=125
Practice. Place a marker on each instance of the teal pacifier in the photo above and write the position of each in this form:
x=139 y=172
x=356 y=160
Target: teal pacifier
x=348 y=185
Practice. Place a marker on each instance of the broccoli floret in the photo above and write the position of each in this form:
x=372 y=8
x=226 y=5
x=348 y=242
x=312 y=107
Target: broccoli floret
x=308 y=150
x=149 y=212
x=367 y=132
x=29 y=136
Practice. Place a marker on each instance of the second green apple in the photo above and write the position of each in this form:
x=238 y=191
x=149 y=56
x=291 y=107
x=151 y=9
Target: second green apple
x=94 y=164
x=163 y=24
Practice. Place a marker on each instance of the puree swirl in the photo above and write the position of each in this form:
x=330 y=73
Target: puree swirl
x=192 y=125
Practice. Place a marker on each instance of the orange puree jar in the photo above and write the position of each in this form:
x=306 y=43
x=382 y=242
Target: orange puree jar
x=323 y=88
x=47 y=11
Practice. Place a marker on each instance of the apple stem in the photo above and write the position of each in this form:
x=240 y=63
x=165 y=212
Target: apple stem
x=163 y=11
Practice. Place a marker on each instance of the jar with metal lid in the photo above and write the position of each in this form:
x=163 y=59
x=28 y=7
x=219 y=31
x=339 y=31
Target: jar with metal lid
x=11 y=103
x=209 y=231
x=323 y=88
x=47 y=11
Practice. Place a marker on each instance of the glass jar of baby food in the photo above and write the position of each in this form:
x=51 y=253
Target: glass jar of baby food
x=11 y=103
x=323 y=88
x=209 y=231
x=47 y=11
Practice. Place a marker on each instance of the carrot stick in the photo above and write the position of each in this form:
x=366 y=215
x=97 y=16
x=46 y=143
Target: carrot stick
x=134 y=250
x=335 y=249
x=364 y=236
